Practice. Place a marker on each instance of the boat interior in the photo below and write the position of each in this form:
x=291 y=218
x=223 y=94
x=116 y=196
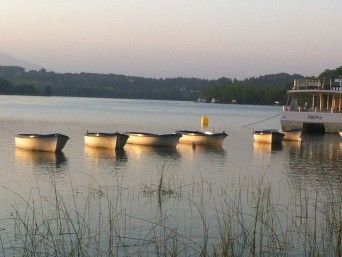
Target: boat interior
x=94 y=134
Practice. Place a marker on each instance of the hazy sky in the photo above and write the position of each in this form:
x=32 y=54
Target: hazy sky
x=168 y=38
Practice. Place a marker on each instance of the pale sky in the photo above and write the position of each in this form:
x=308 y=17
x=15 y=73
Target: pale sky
x=170 y=38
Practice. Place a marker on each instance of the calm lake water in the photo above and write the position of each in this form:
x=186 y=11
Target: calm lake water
x=315 y=164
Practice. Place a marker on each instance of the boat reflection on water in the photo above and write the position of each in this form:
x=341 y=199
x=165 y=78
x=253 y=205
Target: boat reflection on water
x=293 y=145
x=318 y=161
x=142 y=151
x=100 y=156
x=192 y=149
x=51 y=161
x=207 y=154
x=262 y=148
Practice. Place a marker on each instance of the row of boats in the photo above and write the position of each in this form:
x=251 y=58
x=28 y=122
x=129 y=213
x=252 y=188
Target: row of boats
x=56 y=142
x=272 y=136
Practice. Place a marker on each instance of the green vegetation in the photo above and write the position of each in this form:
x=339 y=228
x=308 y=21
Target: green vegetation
x=7 y=88
x=266 y=89
x=247 y=223
x=328 y=75
x=102 y=85
x=262 y=90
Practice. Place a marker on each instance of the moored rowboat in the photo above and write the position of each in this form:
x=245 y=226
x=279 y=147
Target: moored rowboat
x=341 y=133
x=201 y=138
x=105 y=140
x=141 y=138
x=39 y=142
x=268 y=136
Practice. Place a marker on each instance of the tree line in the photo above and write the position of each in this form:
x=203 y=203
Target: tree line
x=104 y=85
x=266 y=89
x=7 y=88
x=330 y=75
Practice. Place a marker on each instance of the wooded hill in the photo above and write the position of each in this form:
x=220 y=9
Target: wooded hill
x=102 y=85
x=257 y=90
x=266 y=89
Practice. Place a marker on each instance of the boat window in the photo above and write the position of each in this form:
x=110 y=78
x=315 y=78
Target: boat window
x=316 y=102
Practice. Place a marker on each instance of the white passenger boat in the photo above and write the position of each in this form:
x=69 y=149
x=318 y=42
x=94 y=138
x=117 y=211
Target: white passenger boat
x=292 y=135
x=268 y=136
x=141 y=138
x=201 y=138
x=40 y=142
x=105 y=140
x=313 y=106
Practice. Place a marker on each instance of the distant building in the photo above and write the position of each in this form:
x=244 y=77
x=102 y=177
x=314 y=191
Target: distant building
x=201 y=100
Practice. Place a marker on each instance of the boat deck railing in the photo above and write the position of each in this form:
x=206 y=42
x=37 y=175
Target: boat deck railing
x=314 y=84
x=333 y=89
x=316 y=109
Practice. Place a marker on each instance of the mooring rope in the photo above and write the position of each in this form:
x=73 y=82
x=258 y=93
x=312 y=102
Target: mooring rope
x=261 y=120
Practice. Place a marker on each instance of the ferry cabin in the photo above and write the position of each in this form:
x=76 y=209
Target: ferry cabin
x=313 y=106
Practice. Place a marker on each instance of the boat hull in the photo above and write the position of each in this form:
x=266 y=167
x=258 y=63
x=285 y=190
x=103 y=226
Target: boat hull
x=268 y=137
x=214 y=139
x=332 y=122
x=37 y=142
x=105 y=141
x=165 y=140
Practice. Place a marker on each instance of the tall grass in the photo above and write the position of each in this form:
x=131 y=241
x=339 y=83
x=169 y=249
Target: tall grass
x=248 y=222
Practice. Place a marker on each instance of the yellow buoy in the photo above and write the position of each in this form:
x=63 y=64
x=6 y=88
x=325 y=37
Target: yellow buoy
x=204 y=122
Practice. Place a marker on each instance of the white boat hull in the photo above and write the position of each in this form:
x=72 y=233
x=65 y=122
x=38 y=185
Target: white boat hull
x=51 y=143
x=105 y=141
x=268 y=138
x=294 y=120
x=169 y=140
x=209 y=140
x=341 y=133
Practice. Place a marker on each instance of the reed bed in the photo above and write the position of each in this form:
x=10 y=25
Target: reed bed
x=183 y=220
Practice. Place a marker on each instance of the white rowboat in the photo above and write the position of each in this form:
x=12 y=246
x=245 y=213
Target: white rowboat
x=105 y=140
x=202 y=138
x=268 y=136
x=140 y=138
x=39 y=142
